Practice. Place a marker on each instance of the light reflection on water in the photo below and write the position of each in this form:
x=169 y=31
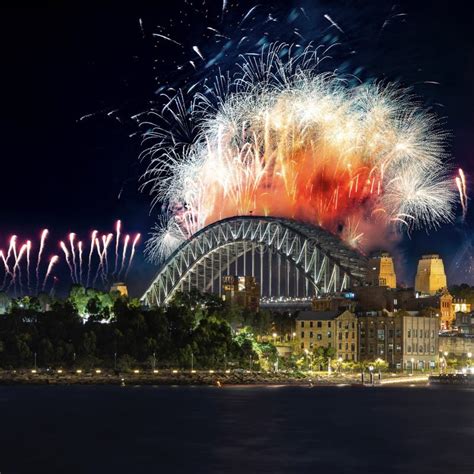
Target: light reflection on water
x=253 y=429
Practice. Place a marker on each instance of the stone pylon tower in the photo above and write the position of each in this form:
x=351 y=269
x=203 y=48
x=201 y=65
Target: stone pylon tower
x=430 y=277
x=382 y=271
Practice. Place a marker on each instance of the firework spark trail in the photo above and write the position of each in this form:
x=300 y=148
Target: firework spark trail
x=165 y=237
x=91 y=250
x=124 y=254
x=461 y=185
x=72 y=236
x=44 y=234
x=132 y=253
x=18 y=257
x=106 y=242
x=66 y=255
x=117 y=242
x=11 y=247
x=52 y=262
x=28 y=261
x=79 y=246
x=7 y=268
x=283 y=139
x=100 y=265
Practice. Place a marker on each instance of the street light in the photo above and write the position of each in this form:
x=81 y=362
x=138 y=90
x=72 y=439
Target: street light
x=412 y=364
x=274 y=337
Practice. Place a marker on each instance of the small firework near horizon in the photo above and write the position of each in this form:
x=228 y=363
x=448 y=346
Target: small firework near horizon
x=27 y=271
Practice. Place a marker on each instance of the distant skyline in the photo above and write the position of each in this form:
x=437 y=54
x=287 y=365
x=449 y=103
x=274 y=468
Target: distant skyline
x=104 y=66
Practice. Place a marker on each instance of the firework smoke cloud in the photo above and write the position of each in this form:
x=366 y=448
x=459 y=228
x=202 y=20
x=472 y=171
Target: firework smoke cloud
x=282 y=138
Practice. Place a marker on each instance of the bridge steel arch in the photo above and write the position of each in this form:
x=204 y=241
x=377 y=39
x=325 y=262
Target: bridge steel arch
x=324 y=262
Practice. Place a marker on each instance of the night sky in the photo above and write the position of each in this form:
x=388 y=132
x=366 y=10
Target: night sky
x=58 y=65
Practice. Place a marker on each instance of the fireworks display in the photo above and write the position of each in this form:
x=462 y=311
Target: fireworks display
x=20 y=278
x=281 y=138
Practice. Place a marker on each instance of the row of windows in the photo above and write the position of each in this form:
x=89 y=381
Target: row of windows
x=346 y=356
x=319 y=336
x=380 y=349
x=416 y=333
x=319 y=324
x=311 y=345
x=381 y=333
x=347 y=347
x=421 y=349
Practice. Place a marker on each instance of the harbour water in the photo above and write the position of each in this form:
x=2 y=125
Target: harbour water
x=270 y=429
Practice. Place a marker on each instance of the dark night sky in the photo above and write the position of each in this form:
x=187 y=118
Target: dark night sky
x=60 y=64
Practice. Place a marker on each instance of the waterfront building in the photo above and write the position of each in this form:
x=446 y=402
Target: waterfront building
x=242 y=291
x=381 y=337
x=430 y=276
x=420 y=344
x=464 y=323
x=119 y=287
x=332 y=303
x=461 y=305
x=400 y=338
x=328 y=329
x=381 y=271
x=458 y=345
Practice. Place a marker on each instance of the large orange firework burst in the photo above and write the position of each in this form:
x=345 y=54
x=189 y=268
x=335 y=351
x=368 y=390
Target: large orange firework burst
x=282 y=139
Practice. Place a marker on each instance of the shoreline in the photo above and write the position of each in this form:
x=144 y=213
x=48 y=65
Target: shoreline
x=219 y=379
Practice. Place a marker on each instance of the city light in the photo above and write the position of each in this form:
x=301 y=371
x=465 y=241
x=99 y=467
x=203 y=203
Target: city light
x=155 y=371
x=136 y=371
x=98 y=371
x=78 y=371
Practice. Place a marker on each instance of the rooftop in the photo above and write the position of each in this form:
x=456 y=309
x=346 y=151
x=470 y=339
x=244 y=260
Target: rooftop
x=317 y=315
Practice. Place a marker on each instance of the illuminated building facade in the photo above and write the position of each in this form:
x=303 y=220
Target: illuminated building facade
x=381 y=271
x=242 y=291
x=381 y=337
x=328 y=329
x=402 y=339
x=430 y=276
x=119 y=287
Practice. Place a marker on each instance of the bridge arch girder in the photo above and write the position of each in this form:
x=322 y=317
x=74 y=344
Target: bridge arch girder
x=322 y=259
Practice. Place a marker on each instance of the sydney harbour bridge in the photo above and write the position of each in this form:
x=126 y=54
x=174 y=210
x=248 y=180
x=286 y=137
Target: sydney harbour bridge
x=287 y=258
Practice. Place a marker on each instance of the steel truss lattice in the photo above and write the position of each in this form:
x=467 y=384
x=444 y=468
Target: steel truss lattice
x=320 y=259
